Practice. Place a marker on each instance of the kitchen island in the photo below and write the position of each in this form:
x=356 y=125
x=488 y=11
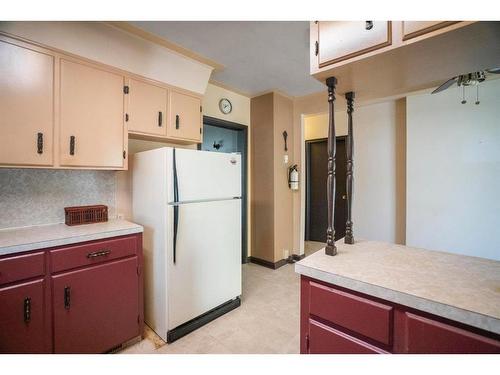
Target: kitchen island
x=376 y=297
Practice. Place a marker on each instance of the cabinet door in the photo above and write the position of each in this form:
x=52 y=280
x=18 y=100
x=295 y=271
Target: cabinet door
x=147 y=108
x=185 y=117
x=341 y=40
x=22 y=318
x=92 y=117
x=412 y=29
x=96 y=308
x=26 y=106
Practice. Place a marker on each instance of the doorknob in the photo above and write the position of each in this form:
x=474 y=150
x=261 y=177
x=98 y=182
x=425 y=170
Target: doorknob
x=344 y=196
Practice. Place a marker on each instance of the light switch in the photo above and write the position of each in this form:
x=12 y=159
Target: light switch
x=285 y=159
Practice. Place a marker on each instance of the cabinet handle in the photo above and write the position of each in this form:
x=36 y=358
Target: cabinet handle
x=39 y=143
x=72 y=145
x=160 y=118
x=100 y=253
x=368 y=25
x=177 y=120
x=27 y=309
x=67 y=297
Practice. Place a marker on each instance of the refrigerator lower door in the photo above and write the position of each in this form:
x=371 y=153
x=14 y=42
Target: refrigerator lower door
x=207 y=268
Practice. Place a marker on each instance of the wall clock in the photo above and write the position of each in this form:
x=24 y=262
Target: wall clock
x=225 y=106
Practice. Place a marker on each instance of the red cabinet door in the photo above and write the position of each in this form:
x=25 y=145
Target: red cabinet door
x=96 y=308
x=22 y=318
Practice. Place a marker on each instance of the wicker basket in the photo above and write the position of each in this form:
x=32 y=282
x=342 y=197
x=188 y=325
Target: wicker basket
x=85 y=214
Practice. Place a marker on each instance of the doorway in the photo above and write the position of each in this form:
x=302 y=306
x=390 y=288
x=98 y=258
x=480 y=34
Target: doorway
x=316 y=221
x=225 y=136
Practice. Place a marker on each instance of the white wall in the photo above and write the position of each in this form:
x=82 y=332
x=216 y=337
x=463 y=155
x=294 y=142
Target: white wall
x=378 y=198
x=106 y=44
x=453 y=168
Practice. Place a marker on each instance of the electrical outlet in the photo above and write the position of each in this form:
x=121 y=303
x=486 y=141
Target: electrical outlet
x=285 y=254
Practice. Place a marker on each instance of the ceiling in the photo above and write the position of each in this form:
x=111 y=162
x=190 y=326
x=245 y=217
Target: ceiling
x=257 y=56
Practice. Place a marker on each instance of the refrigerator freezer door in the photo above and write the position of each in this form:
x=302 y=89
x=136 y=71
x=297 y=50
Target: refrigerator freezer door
x=207 y=269
x=205 y=175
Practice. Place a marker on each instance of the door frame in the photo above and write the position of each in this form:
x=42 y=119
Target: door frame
x=307 y=221
x=212 y=121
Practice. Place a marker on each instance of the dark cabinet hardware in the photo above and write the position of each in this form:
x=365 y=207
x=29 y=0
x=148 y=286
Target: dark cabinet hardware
x=126 y=89
x=126 y=117
x=160 y=118
x=176 y=207
x=201 y=109
x=39 y=143
x=72 y=145
x=316 y=48
x=67 y=297
x=124 y=154
x=27 y=310
x=100 y=253
x=177 y=120
x=368 y=25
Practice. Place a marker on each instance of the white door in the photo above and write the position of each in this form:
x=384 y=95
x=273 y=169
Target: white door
x=207 y=268
x=205 y=175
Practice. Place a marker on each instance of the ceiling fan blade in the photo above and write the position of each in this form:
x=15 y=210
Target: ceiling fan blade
x=445 y=85
x=493 y=70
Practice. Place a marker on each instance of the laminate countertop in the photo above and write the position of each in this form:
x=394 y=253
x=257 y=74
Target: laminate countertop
x=18 y=240
x=458 y=287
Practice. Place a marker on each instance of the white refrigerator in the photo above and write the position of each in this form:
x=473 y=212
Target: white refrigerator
x=189 y=203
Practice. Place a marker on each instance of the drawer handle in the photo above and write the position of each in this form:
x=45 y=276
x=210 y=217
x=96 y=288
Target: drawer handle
x=177 y=121
x=368 y=25
x=100 y=253
x=160 y=118
x=39 y=143
x=72 y=145
x=27 y=309
x=67 y=297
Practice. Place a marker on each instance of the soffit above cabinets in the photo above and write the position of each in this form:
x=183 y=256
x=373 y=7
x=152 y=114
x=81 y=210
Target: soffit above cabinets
x=107 y=44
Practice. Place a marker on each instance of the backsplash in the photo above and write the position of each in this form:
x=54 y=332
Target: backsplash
x=38 y=196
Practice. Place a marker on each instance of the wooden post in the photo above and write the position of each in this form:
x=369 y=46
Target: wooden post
x=330 y=248
x=349 y=236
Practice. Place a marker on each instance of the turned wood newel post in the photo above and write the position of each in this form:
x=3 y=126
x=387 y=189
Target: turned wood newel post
x=330 y=248
x=349 y=237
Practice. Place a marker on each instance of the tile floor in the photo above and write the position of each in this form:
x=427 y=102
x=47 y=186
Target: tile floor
x=266 y=322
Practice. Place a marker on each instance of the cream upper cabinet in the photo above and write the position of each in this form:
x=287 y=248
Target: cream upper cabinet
x=26 y=106
x=185 y=117
x=92 y=130
x=147 y=108
x=341 y=40
x=412 y=29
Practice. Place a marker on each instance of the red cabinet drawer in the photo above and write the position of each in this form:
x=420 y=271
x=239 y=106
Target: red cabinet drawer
x=426 y=336
x=22 y=318
x=368 y=318
x=96 y=308
x=326 y=340
x=21 y=267
x=92 y=253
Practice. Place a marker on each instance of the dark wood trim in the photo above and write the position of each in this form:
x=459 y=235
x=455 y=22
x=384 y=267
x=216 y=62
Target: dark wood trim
x=212 y=121
x=268 y=264
x=330 y=248
x=349 y=235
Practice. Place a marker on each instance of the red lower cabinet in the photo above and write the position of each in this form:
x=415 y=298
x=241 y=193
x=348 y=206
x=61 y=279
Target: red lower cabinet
x=335 y=320
x=96 y=308
x=22 y=318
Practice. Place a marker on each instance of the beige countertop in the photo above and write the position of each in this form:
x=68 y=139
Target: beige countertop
x=17 y=240
x=458 y=287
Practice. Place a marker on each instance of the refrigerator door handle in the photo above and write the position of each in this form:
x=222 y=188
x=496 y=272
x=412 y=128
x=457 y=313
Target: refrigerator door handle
x=176 y=207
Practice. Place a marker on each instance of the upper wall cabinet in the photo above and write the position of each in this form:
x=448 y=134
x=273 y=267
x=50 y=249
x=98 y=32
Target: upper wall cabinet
x=341 y=40
x=412 y=29
x=147 y=108
x=92 y=121
x=26 y=105
x=185 y=119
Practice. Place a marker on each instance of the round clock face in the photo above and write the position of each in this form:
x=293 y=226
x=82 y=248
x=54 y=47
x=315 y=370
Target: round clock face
x=225 y=106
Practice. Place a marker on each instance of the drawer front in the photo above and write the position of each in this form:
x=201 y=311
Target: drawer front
x=93 y=253
x=21 y=267
x=326 y=340
x=341 y=40
x=412 y=29
x=426 y=336
x=368 y=318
